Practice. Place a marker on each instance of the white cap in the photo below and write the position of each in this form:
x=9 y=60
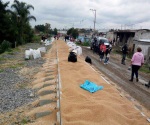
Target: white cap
x=75 y=51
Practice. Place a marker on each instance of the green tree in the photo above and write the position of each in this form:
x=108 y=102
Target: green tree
x=22 y=14
x=40 y=28
x=73 y=32
x=45 y=29
x=4 y=21
x=55 y=31
x=69 y=32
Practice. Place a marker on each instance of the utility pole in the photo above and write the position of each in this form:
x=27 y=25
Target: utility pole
x=94 y=17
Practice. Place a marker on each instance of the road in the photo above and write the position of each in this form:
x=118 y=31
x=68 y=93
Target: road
x=120 y=75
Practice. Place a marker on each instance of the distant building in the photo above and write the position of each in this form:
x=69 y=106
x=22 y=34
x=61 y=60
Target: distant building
x=133 y=38
x=62 y=32
x=103 y=32
x=142 y=39
x=145 y=45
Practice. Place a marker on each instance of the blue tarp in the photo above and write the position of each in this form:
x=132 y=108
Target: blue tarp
x=90 y=86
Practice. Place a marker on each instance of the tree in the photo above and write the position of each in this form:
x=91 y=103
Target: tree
x=55 y=31
x=40 y=28
x=73 y=32
x=22 y=14
x=14 y=24
x=69 y=32
x=4 y=21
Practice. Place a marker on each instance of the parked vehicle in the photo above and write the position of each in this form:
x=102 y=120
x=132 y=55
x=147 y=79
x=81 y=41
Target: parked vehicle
x=99 y=41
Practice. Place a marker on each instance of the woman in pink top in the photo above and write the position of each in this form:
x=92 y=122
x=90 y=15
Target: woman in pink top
x=137 y=61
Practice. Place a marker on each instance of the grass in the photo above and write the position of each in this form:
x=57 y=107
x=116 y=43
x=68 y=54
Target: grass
x=83 y=44
x=36 y=38
x=16 y=49
x=10 y=52
x=22 y=86
x=17 y=65
x=24 y=121
x=79 y=44
x=1 y=70
x=2 y=59
x=145 y=68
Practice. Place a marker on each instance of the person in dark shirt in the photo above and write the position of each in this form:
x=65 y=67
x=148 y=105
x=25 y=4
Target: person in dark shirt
x=107 y=53
x=124 y=53
x=94 y=45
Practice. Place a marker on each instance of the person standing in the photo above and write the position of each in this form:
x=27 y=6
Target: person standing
x=124 y=53
x=94 y=44
x=107 y=53
x=102 y=51
x=136 y=62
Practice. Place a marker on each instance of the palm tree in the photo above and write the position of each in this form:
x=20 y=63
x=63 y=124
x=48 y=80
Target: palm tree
x=22 y=14
x=4 y=22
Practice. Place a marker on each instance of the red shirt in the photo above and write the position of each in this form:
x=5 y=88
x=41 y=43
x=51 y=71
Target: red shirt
x=103 y=48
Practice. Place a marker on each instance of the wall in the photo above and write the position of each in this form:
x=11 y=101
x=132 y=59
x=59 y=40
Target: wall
x=110 y=35
x=142 y=34
x=145 y=46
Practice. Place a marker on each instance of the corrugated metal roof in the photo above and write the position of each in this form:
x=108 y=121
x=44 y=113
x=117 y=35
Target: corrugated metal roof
x=144 y=40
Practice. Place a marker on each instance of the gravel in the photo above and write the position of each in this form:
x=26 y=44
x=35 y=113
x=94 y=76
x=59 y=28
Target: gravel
x=11 y=96
x=13 y=90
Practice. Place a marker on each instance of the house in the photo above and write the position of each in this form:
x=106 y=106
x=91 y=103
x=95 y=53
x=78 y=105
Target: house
x=145 y=45
x=142 y=39
x=120 y=37
x=62 y=32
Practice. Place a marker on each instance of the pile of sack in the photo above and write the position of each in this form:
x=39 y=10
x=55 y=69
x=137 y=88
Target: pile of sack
x=74 y=51
x=73 y=46
x=35 y=54
x=47 y=42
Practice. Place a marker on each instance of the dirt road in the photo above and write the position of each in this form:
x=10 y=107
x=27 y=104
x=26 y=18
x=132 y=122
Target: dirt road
x=120 y=75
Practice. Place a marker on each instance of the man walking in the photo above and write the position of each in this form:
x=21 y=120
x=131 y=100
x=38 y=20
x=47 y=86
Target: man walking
x=124 y=53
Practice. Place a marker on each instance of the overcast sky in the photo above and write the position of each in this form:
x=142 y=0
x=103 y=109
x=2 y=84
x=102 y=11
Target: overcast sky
x=109 y=13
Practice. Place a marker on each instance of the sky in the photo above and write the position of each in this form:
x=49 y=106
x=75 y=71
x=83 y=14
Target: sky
x=110 y=14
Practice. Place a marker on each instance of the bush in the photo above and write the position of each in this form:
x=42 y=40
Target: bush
x=36 y=39
x=86 y=44
x=6 y=45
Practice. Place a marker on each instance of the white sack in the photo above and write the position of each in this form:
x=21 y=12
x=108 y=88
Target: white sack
x=27 y=54
x=36 y=54
x=79 y=50
x=42 y=49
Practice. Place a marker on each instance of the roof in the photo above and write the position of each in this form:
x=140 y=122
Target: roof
x=125 y=31
x=144 y=40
